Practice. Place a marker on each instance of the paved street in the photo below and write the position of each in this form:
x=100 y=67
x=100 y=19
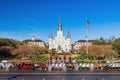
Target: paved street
x=59 y=75
x=53 y=76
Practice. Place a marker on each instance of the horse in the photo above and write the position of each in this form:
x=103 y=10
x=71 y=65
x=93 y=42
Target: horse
x=43 y=66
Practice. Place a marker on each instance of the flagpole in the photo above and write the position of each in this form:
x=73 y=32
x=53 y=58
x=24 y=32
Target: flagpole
x=87 y=43
x=87 y=27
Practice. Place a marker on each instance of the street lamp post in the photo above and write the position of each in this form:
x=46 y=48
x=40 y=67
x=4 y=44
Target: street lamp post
x=50 y=57
x=70 y=56
x=87 y=46
x=64 y=57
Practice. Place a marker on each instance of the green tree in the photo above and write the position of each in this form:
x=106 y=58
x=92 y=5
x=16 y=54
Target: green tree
x=109 y=55
x=6 y=51
x=52 y=51
x=90 y=56
x=81 y=57
x=43 y=49
x=82 y=49
x=96 y=42
x=111 y=39
x=23 y=51
x=8 y=42
x=102 y=41
x=116 y=45
x=40 y=50
x=25 y=42
x=43 y=57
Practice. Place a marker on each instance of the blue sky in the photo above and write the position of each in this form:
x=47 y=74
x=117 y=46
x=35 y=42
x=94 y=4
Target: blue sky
x=21 y=19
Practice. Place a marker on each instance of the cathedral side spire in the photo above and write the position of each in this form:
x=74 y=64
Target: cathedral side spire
x=50 y=35
x=68 y=35
x=59 y=25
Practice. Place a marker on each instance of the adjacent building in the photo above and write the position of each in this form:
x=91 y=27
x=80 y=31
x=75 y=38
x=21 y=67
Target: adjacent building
x=38 y=42
x=80 y=43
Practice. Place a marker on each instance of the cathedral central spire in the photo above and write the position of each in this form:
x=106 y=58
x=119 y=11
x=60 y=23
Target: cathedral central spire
x=59 y=25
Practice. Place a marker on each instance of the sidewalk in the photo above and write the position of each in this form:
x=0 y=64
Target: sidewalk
x=60 y=72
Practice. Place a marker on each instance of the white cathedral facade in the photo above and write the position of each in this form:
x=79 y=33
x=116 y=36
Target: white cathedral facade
x=60 y=43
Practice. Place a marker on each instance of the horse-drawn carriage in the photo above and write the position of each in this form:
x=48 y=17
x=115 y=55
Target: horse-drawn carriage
x=43 y=66
x=57 y=66
x=6 y=65
x=26 y=66
x=70 y=65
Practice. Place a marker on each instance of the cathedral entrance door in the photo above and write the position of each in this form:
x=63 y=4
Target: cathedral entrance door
x=59 y=49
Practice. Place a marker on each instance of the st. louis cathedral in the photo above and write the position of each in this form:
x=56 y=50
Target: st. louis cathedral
x=60 y=43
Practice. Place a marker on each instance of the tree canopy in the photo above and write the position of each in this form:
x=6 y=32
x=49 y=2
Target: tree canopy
x=8 y=42
x=104 y=41
x=116 y=45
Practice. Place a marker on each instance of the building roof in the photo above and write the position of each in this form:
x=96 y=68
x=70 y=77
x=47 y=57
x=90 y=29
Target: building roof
x=37 y=40
x=81 y=41
x=84 y=41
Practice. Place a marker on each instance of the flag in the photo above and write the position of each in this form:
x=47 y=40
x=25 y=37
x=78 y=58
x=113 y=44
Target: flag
x=88 y=24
